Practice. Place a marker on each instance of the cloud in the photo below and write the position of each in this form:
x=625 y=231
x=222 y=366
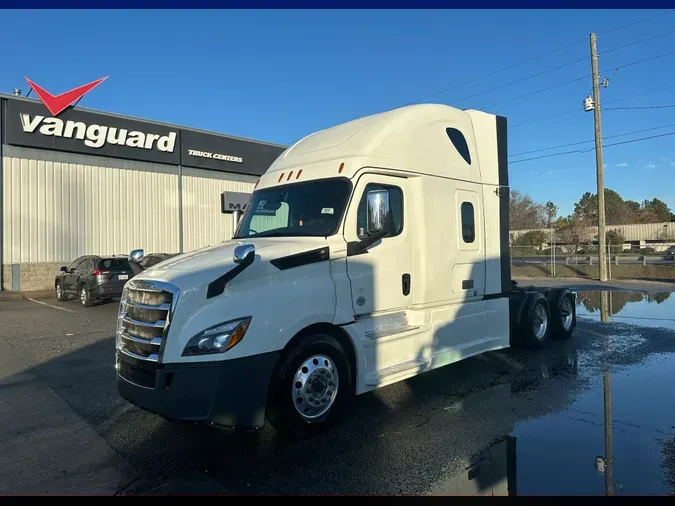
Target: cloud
x=549 y=173
x=650 y=165
x=622 y=164
x=534 y=173
x=604 y=165
x=672 y=164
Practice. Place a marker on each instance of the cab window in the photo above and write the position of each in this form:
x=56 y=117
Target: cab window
x=395 y=204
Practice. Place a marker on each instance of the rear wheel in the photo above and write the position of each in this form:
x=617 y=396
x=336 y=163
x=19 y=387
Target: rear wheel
x=534 y=328
x=85 y=296
x=311 y=385
x=563 y=313
x=60 y=293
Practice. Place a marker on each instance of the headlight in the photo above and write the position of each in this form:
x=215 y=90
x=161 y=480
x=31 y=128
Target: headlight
x=217 y=339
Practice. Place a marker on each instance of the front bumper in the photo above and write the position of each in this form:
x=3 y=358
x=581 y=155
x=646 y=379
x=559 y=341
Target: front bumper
x=228 y=393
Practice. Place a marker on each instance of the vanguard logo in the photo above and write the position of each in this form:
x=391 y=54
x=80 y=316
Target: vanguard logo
x=56 y=104
x=96 y=136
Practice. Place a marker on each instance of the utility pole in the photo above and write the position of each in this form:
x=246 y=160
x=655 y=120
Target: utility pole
x=602 y=256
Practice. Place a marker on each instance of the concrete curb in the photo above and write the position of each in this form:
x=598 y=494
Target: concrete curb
x=40 y=294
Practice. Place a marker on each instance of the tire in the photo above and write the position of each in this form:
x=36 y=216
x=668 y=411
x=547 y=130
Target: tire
x=563 y=313
x=293 y=405
x=59 y=291
x=535 y=324
x=85 y=296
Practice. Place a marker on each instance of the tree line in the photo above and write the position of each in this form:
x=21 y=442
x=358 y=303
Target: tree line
x=525 y=213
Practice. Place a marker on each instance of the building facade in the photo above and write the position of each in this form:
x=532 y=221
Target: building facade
x=85 y=182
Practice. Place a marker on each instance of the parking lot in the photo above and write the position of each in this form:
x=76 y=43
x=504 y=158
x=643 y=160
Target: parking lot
x=510 y=421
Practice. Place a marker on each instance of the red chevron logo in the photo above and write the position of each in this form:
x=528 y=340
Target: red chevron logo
x=57 y=103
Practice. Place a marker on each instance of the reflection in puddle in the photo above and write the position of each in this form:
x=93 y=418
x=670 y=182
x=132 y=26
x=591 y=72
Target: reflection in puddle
x=490 y=472
x=634 y=308
x=614 y=436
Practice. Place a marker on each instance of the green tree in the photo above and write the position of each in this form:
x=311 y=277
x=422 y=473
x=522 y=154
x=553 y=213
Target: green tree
x=617 y=211
x=659 y=209
x=614 y=237
x=533 y=238
x=550 y=211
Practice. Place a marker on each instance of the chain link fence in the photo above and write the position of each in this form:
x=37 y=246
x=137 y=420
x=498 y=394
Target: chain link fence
x=548 y=258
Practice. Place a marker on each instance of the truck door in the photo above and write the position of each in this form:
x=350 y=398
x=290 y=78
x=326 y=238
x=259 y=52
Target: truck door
x=468 y=276
x=381 y=276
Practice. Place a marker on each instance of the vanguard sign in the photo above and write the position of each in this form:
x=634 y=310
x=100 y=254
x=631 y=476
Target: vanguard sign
x=63 y=128
x=97 y=136
x=78 y=131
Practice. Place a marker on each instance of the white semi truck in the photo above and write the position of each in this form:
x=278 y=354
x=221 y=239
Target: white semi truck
x=370 y=252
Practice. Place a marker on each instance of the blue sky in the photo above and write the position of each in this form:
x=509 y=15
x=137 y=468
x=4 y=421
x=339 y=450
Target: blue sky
x=279 y=75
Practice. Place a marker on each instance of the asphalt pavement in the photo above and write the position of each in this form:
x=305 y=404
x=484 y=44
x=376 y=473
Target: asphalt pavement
x=509 y=421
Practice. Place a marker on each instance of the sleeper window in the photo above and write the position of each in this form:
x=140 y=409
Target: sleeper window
x=395 y=204
x=459 y=141
x=468 y=222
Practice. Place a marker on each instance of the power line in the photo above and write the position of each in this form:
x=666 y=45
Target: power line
x=536 y=92
x=589 y=141
x=585 y=58
x=592 y=149
x=579 y=79
x=532 y=76
x=637 y=22
x=640 y=41
x=639 y=107
x=576 y=109
x=548 y=53
x=490 y=74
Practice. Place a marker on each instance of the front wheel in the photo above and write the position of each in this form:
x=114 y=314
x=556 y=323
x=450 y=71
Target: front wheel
x=311 y=385
x=60 y=293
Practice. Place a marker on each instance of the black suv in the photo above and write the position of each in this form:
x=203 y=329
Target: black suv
x=93 y=277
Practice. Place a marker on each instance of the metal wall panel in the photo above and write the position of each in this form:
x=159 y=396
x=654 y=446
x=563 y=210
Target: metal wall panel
x=203 y=222
x=56 y=211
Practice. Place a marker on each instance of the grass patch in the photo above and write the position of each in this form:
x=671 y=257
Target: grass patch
x=638 y=272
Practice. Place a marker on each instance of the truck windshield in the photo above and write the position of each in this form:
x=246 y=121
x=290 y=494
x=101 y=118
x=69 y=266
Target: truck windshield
x=314 y=208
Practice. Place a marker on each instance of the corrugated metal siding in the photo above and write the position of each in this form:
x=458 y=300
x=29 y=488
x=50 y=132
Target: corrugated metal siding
x=57 y=211
x=203 y=222
x=637 y=232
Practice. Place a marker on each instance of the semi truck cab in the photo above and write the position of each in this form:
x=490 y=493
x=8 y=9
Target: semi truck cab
x=369 y=253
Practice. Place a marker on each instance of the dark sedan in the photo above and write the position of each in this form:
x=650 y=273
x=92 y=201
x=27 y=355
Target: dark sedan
x=92 y=277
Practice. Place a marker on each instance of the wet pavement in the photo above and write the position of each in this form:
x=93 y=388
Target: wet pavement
x=505 y=422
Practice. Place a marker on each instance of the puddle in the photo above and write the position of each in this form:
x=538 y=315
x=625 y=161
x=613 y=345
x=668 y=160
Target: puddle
x=655 y=310
x=604 y=422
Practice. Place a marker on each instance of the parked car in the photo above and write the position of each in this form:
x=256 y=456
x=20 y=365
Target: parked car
x=140 y=262
x=92 y=277
x=670 y=252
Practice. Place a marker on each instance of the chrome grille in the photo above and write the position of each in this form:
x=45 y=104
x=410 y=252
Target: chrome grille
x=144 y=318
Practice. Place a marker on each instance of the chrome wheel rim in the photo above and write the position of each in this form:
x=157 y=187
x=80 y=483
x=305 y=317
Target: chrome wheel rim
x=540 y=321
x=315 y=387
x=58 y=291
x=83 y=295
x=567 y=313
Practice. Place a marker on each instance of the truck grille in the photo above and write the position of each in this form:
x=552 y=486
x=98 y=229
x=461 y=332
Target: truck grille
x=143 y=322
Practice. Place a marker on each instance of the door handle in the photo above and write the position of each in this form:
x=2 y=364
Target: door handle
x=405 y=284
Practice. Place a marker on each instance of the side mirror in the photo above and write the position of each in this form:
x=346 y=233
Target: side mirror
x=136 y=254
x=63 y=268
x=244 y=253
x=378 y=209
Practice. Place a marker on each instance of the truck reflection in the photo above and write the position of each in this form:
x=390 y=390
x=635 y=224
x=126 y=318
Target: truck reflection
x=492 y=472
